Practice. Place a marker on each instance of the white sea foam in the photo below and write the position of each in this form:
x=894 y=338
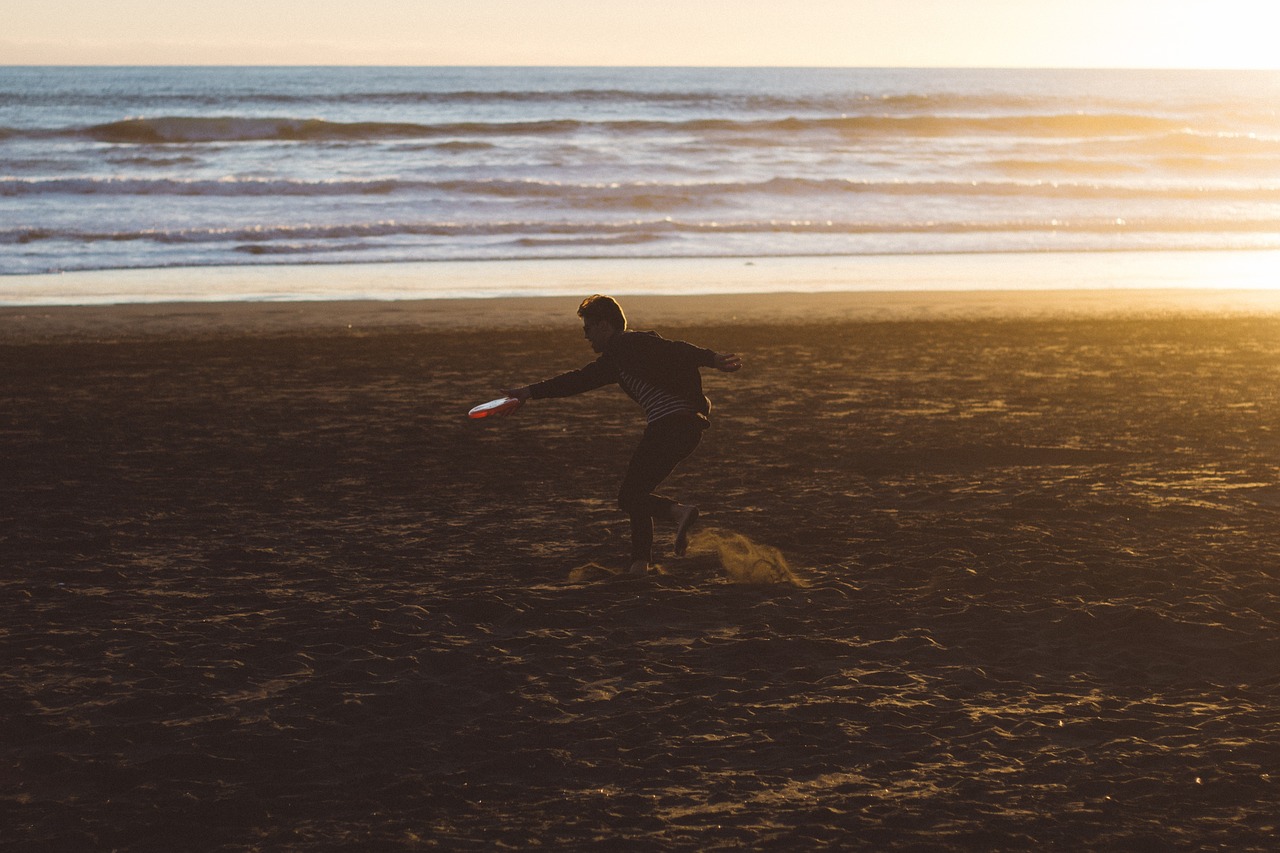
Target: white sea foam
x=647 y=193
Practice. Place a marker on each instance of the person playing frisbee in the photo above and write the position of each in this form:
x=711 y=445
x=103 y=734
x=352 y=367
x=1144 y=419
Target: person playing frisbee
x=663 y=377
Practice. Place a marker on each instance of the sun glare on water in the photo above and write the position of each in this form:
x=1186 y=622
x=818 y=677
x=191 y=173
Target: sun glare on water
x=1237 y=270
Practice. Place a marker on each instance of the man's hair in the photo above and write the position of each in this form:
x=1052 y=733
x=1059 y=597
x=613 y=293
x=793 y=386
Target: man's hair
x=599 y=307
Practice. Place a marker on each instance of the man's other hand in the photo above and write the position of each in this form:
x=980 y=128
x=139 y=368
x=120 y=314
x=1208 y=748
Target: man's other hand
x=728 y=361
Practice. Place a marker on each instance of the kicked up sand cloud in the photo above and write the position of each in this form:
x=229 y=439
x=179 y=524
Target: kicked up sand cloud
x=745 y=561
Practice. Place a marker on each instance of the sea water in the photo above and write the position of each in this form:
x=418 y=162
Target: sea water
x=125 y=168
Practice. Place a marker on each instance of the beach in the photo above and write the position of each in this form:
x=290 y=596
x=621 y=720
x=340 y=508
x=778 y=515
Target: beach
x=268 y=588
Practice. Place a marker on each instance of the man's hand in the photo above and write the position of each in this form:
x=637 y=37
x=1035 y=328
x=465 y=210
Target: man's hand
x=728 y=361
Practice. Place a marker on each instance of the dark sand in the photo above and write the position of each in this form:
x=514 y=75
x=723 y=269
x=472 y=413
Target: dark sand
x=265 y=587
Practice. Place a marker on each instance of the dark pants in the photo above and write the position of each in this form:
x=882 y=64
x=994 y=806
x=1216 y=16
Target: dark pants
x=664 y=444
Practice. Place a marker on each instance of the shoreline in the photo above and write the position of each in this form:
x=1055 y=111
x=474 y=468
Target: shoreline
x=655 y=292
x=215 y=320
x=1245 y=269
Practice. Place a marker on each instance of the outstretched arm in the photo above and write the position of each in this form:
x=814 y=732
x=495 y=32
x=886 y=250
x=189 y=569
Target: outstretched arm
x=594 y=375
x=728 y=361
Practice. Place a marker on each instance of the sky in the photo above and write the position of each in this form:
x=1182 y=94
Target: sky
x=856 y=33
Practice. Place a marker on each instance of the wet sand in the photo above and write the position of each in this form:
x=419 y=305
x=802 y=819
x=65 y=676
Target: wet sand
x=267 y=588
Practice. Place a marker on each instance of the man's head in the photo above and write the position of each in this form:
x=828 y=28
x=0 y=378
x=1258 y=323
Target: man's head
x=602 y=318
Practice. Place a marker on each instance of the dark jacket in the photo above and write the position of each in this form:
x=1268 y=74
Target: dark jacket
x=671 y=365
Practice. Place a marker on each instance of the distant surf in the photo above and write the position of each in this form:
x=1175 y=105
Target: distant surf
x=124 y=168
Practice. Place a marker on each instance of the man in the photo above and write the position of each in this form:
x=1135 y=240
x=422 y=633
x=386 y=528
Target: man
x=662 y=376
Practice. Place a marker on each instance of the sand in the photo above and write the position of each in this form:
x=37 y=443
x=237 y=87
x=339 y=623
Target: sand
x=266 y=588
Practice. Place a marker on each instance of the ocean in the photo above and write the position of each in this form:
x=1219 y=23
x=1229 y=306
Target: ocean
x=129 y=168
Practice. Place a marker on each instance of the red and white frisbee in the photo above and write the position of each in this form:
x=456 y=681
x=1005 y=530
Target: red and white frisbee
x=496 y=408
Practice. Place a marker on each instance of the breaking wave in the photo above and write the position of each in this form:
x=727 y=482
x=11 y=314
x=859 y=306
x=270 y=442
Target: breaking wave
x=641 y=194
x=533 y=232
x=194 y=129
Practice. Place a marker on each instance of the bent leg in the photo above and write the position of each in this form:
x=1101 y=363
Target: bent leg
x=684 y=517
x=664 y=445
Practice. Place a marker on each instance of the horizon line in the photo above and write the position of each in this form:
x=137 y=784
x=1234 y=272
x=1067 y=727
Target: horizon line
x=640 y=67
